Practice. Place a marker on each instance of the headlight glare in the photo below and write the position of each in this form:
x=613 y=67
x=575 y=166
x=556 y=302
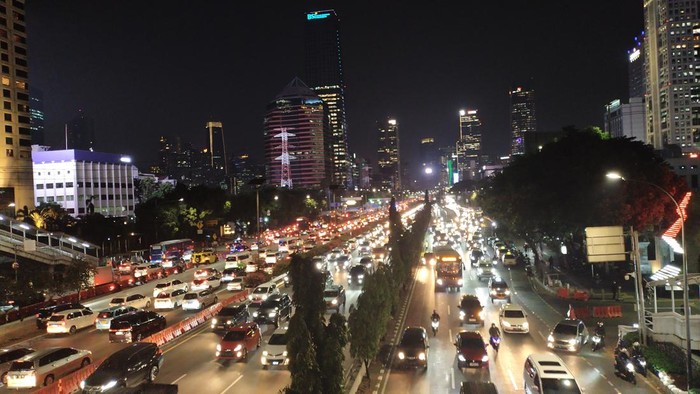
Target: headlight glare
x=401 y=355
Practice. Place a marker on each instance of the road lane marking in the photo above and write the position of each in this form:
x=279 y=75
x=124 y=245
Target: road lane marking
x=542 y=335
x=448 y=310
x=178 y=379
x=452 y=378
x=512 y=379
x=231 y=385
x=450 y=331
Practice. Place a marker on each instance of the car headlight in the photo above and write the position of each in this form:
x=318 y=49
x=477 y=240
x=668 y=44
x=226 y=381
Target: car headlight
x=481 y=315
x=250 y=297
x=461 y=358
x=507 y=292
x=272 y=314
x=218 y=348
x=421 y=356
x=360 y=276
x=284 y=353
x=506 y=324
x=432 y=261
x=265 y=353
x=334 y=302
x=82 y=384
x=461 y=313
x=255 y=314
x=550 y=338
x=573 y=341
x=526 y=325
x=643 y=363
x=439 y=282
x=113 y=383
x=493 y=292
x=214 y=321
x=401 y=356
x=460 y=282
x=238 y=347
x=630 y=367
x=264 y=297
x=229 y=321
x=485 y=359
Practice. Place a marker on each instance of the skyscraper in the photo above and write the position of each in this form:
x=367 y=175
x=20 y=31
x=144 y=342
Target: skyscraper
x=217 y=147
x=469 y=144
x=635 y=68
x=80 y=132
x=323 y=71
x=296 y=130
x=673 y=92
x=522 y=118
x=388 y=154
x=36 y=115
x=16 y=184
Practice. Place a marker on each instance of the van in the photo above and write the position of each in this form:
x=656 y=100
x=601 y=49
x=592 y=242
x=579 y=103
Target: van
x=236 y=260
x=45 y=366
x=546 y=373
x=263 y=291
x=134 y=326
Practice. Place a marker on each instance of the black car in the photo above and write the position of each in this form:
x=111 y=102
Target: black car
x=498 y=290
x=412 y=350
x=357 y=275
x=274 y=309
x=470 y=310
x=43 y=314
x=230 y=273
x=130 y=367
x=475 y=255
x=230 y=316
x=134 y=326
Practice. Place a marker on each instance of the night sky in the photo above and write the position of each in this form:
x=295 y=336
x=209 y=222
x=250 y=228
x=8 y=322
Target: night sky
x=143 y=69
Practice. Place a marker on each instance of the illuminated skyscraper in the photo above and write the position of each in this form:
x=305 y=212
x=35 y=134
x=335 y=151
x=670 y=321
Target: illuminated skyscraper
x=469 y=144
x=672 y=89
x=16 y=184
x=36 y=114
x=217 y=147
x=300 y=159
x=324 y=74
x=388 y=154
x=522 y=118
x=635 y=68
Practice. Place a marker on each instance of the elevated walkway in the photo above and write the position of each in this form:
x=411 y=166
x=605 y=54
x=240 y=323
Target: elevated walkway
x=28 y=242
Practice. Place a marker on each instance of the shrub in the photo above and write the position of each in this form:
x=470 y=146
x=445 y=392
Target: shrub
x=661 y=359
x=253 y=279
x=280 y=268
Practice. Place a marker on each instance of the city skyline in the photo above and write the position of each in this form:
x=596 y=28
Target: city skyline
x=126 y=75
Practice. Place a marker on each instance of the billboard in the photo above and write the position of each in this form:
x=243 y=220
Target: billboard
x=606 y=243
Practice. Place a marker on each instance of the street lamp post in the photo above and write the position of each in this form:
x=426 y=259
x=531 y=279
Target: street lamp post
x=686 y=302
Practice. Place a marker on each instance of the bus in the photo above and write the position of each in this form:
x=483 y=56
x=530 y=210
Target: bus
x=448 y=269
x=167 y=251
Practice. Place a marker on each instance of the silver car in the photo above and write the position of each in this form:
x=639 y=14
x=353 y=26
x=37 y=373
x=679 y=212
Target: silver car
x=45 y=366
x=200 y=300
x=568 y=335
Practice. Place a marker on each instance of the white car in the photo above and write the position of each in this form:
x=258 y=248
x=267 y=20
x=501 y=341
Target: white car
x=513 y=318
x=275 y=350
x=212 y=282
x=236 y=284
x=170 y=286
x=485 y=270
x=169 y=300
x=33 y=370
x=138 y=301
x=199 y=300
x=69 y=321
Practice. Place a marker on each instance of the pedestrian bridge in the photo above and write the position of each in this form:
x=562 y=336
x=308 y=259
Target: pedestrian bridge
x=25 y=241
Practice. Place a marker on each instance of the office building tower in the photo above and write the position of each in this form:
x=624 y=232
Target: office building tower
x=296 y=131
x=36 y=115
x=388 y=154
x=673 y=92
x=217 y=147
x=167 y=150
x=80 y=132
x=448 y=166
x=522 y=118
x=635 y=68
x=429 y=169
x=468 y=145
x=16 y=186
x=625 y=120
x=85 y=182
x=323 y=72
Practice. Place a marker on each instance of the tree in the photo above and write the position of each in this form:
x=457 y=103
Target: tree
x=148 y=188
x=303 y=366
x=332 y=357
x=78 y=275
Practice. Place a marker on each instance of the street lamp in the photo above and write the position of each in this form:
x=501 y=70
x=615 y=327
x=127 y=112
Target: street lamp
x=257 y=182
x=689 y=357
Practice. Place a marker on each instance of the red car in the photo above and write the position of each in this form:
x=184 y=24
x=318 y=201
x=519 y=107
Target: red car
x=471 y=350
x=238 y=341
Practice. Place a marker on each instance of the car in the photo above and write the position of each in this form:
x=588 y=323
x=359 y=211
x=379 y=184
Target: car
x=263 y=291
x=212 y=282
x=412 y=349
x=428 y=258
x=143 y=272
x=320 y=263
x=274 y=351
x=512 y=318
x=334 y=296
x=104 y=317
x=231 y=273
x=568 y=334
x=367 y=262
x=475 y=256
x=169 y=300
x=471 y=387
x=272 y=256
x=547 y=373
x=470 y=310
x=342 y=262
x=69 y=321
x=230 y=316
x=379 y=254
x=509 y=259
x=43 y=314
x=45 y=366
x=138 y=301
x=169 y=286
x=356 y=275
x=501 y=250
x=204 y=273
x=131 y=366
x=235 y=284
x=135 y=326
x=485 y=270
x=274 y=309
x=335 y=253
x=238 y=341
x=8 y=355
x=199 y=300
x=205 y=256
x=498 y=289
x=471 y=350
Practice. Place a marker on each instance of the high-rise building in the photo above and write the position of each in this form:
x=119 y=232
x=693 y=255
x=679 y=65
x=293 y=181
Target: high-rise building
x=388 y=154
x=673 y=92
x=625 y=120
x=36 y=115
x=217 y=147
x=80 y=132
x=522 y=118
x=448 y=163
x=635 y=68
x=323 y=72
x=16 y=185
x=296 y=133
x=468 y=145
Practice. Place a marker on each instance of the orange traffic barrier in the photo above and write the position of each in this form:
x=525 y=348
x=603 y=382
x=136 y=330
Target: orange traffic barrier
x=582 y=313
x=563 y=292
x=615 y=311
x=581 y=295
x=598 y=311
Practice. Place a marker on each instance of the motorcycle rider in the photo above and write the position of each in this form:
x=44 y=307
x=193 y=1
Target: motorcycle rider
x=494 y=331
x=435 y=316
x=600 y=332
x=622 y=358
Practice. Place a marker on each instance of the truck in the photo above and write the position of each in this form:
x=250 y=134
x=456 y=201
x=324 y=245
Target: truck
x=105 y=277
x=448 y=269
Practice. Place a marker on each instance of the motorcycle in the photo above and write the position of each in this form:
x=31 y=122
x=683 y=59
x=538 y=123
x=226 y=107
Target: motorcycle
x=495 y=342
x=435 y=324
x=596 y=342
x=640 y=363
x=625 y=369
